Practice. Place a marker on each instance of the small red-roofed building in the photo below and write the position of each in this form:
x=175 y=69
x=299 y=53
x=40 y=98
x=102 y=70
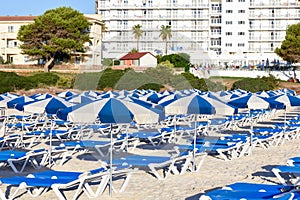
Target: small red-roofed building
x=138 y=59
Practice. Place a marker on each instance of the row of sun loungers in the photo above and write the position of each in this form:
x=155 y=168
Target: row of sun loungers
x=71 y=140
x=286 y=189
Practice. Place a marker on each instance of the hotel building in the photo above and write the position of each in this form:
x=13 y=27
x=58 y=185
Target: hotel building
x=238 y=32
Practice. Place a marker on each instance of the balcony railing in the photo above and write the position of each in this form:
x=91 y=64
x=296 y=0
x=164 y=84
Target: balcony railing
x=281 y=27
x=266 y=15
x=274 y=4
x=153 y=6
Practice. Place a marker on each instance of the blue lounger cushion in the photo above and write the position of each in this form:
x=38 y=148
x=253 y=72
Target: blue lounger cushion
x=289 y=169
x=139 y=160
x=241 y=186
x=245 y=195
x=36 y=182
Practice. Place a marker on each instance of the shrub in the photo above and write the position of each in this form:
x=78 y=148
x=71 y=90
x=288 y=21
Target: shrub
x=107 y=62
x=132 y=80
x=66 y=81
x=44 y=78
x=87 y=81
x=256 y=84
x=151 y=86
x=10 y=81
x=162 y=74
x=108 y=78
x=178 y=60
x=188 y=80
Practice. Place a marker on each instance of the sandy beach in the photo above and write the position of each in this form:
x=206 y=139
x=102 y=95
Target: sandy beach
x=215 y=172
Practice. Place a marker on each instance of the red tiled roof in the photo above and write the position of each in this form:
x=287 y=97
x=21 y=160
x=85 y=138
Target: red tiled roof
x=25 y=18
x=17 y=18
x=133 y=56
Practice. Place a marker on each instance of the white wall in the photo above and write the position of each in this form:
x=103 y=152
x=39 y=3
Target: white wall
x=282 y=75
x=148 y=60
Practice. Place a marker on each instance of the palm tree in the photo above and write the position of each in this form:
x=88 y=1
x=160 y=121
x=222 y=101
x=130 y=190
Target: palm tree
x=137 y=32
x=165 y=34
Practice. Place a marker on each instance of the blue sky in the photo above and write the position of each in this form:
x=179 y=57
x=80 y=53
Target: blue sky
x=38 y=7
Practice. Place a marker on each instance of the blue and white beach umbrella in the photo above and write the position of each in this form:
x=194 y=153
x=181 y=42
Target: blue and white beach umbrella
x=199 y=104
x=80 y=98
x=3 y=101
x=65 y=94
x=10 y=95
x=49 y=105
x=110 y=110
x=169 y=99
x=22 y=99
x=250 y=101
x=288 y=100
x=153 y=97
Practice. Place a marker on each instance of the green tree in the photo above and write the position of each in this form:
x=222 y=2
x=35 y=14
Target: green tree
x=180 y=60
x=165 y=34
x=138 y=33
x=54 y=35
x=290 y=46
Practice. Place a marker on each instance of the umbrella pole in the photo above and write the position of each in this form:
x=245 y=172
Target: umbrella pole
x=50 y=143
x=251 y=133
x=127 y=139
x=175 y=127
x=284 y=127
x=110 y=161
x=22 y=129
x=194 y=150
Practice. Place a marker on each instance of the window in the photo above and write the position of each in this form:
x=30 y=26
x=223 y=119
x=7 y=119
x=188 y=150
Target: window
x=150 y=13
x=125 y=23
x=229 y=11
x=228 y=44
x=125 y=13
x=241 y=0
x=216 y=7
x=215 y=42
x=228 y=33
x=12 y=44
x=119 y=24
x=77 y=60
x=241 y=22
x=175 y=13
x=228 y=0
x=216 y=20
x=241 y=11
x=26 y=58
x=241 y=33
x=228 y=22
x=10 y=29
x=241 y=44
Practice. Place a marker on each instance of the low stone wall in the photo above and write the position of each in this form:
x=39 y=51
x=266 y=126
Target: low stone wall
x=282 y=75
x=57 y=68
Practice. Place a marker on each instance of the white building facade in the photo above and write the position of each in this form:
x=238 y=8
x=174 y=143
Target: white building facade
x=238 y=32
